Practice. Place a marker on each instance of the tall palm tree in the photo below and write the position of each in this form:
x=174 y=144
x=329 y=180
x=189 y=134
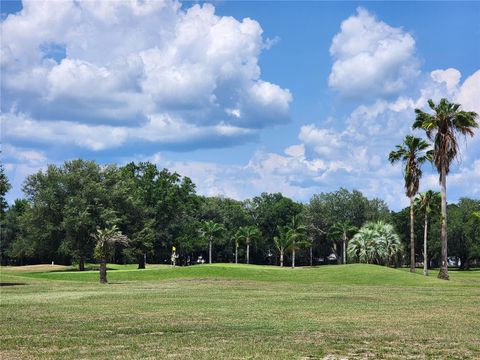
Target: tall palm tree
x=248 y=234
x=296 y=233
x=236 y=239
x=282 y=242
x=106 y=239
x=413 y=153
x=343 y=229
x=427 y=202
x=443 y=127
x=210 y=230
x=309 y=242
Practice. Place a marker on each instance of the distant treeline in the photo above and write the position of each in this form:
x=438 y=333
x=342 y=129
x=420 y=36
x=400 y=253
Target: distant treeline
x=157 y=209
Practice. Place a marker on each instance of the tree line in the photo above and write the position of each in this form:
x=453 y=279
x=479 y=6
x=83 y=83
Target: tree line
x=81 y=212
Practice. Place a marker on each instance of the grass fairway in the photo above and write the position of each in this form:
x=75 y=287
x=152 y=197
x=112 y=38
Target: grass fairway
x=239 y=312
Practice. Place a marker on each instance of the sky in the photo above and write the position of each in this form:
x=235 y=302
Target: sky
x=242 y=97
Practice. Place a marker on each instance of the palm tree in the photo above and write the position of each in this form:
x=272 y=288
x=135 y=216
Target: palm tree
x=282 y=242
x=388 y=242
x=413 y=153
x=105 y=243
x=361 y=246
x=343 y=229
x=248 y=234
x=444 y=127
x=236 y=239
x=427 y=202
x=309 y=242
x=296 y=233
x=210 y=230
x=376 y=243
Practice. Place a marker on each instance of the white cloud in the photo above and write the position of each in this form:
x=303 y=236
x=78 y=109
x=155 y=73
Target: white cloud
x=27 y=156
x=140 y=70
x=19 y=163
x=296 y=151
x=469 y=93
x=158 y=129
x=93 y=137
x=371 y=58
x=292 y=174
x=325 y=142
x=451 y=78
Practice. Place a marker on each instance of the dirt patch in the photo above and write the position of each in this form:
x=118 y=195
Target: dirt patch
x=35 y=268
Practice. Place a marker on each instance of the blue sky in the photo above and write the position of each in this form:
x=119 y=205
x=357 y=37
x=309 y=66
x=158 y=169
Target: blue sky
x=243 y=97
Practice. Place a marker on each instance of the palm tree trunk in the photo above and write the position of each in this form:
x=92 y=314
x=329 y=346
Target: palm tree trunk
x=141 y=261
x=412 y=238
x=344 y=258
x=311 y=255
x=293 y=258
x=425 y=257
x=81 y=264
x=236 y=253
x=281 y=258
x=248 y=253
x=103 y=271
x=443 y=274
x=210 y=251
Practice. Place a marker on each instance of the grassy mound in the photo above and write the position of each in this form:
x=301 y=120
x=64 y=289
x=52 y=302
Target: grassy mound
x=354 y=274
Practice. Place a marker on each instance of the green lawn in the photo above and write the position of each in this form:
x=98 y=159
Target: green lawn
x=239 y=312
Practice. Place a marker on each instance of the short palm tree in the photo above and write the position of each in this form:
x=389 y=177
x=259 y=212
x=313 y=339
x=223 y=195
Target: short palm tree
x=248 y=234
x=296 y=232
x=427 y=202
x=343 y=229
x=376 y=243
x=388 y=242
x=413 y=153
x=210 y=231
x=361 y=246
x=106 y=239
x=443 y=127
x=282 y=242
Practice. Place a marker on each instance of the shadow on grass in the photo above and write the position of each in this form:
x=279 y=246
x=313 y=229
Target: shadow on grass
x=11 y=284
x=87 y=268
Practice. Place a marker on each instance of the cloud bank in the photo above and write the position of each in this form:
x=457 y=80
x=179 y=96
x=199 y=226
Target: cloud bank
x=102 y=74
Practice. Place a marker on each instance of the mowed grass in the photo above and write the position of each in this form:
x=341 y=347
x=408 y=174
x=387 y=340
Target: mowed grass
x=226 y=311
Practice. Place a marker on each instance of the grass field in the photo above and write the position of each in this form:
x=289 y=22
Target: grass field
x=238 y=312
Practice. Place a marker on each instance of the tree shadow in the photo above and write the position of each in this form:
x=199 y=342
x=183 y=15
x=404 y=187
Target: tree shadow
x=11 y=284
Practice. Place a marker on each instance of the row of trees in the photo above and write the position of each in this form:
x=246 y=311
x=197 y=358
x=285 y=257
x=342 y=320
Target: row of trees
x=443 y=128
x=66 y=206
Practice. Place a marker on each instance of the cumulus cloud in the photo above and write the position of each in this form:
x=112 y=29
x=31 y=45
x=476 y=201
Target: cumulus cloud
x=138 y=70
x=354 y=154
x=158 y=129
x=19 y=163
x=294 y=174
x=469 y=93
x=371 y=58
x=187 y=78
x=450 y=77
